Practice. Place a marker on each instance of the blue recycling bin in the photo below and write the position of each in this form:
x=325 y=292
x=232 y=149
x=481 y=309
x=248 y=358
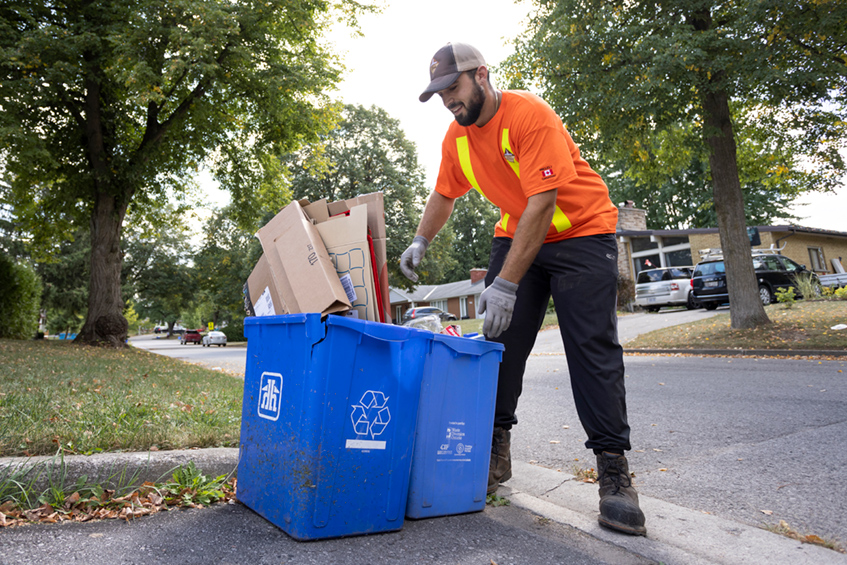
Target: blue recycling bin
x=455 y=422
x=328 y=423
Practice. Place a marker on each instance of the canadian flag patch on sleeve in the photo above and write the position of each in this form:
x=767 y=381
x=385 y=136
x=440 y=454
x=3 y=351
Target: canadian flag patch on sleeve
x=547 y=173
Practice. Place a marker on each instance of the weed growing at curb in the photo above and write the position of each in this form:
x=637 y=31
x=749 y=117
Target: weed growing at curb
x=22 y=503
x=496 y=500
x=784 y=529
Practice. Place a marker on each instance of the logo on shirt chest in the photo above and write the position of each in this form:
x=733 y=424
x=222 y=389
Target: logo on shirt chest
x=547 y=173
x=509 y=156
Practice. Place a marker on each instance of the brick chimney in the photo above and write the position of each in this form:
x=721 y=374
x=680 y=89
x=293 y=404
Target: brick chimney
x=631 y=218
x=478 y=274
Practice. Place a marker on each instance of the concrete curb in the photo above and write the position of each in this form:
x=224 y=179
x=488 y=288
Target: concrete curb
x=740 y=352
x=675 y=534
x=115 y=470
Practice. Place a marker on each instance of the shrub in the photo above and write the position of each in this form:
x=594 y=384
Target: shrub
x=626 y=292
x=841 y=293
x=234 y=331
x=786 y=296
x=808 y=287
x=20 y=300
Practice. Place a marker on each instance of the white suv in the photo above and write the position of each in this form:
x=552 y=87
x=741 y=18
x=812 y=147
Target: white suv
x=668 y=286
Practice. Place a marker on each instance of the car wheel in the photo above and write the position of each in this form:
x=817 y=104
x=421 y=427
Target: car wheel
x=710 y=305
x=693 y=303
x=765 y=295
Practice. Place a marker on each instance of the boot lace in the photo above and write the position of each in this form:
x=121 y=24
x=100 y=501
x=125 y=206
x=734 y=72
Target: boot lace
x=613 y=473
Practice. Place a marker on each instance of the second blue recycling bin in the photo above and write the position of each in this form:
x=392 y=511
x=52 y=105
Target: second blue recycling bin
x=455 y=422
x=328 y=423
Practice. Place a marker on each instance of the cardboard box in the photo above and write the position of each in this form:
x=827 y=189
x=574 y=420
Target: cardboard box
x=321 y=211
x=303 y=274
x=260 y=295
x=346 y=239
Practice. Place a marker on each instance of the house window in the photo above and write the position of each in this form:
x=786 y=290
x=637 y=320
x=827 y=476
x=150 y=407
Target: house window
x=398 y=312
x=440 y=304
x=463 y=307
x=816 y=259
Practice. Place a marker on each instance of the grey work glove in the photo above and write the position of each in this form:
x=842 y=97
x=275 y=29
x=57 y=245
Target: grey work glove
x=413 y=256
x=497 y=302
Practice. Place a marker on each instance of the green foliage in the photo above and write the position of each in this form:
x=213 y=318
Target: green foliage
x=630 y=81
x=189 y=485
x=786 y=296
x=234 y=331
x=65 y=275
x=20 y=299
x=224 y=261
x=472 y=226
x=158 y=275
x=367 y=152
x=107 y=105
x=808 y=287
x=841 y=293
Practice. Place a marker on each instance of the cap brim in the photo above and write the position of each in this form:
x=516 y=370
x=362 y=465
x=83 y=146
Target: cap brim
x=438 y=84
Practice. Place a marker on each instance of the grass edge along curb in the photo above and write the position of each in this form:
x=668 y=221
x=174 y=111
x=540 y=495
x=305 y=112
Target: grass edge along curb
x=45 y=491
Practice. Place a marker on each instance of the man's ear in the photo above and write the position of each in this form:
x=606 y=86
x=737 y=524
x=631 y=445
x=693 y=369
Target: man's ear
x=481 y=75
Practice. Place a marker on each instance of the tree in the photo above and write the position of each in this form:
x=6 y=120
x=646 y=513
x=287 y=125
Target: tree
x=162 y=282
x=629 y=76
x=472 y=226
x=222 y=265
x=108 y=104
x=65 y=276
x=366 y=152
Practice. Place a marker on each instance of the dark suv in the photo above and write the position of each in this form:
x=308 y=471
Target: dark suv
x=772 y=273
x=413 y=313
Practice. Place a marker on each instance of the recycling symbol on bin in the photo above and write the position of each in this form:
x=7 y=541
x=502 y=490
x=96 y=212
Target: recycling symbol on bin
x=371 y=415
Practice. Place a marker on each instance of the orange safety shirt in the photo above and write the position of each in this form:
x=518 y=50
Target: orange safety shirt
x=525 y=150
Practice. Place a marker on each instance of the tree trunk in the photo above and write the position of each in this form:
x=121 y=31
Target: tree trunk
x=746 y=310
x=105 y=323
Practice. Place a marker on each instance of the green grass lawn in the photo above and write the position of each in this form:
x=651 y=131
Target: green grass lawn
x=806 y=325
x=57 y=395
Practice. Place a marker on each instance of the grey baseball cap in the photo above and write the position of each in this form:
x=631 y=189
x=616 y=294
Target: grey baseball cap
x=448 y=64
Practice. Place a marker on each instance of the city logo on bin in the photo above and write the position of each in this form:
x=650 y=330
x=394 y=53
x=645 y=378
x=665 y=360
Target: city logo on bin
x=371 y=415
x=270 y=389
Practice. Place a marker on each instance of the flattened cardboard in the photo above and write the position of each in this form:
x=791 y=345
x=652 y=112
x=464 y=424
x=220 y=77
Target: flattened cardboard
x=302 y=271
x=346 y=241
x=260 y=291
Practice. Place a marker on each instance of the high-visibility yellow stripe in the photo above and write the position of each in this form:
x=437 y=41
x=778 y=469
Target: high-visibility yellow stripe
x=560 y=221
x=465 y=162
x=505 y=145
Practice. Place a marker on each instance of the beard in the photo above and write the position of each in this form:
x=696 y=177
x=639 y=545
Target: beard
x=473 y=108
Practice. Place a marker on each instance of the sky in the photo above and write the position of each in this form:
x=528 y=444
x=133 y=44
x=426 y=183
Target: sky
x=388 y=67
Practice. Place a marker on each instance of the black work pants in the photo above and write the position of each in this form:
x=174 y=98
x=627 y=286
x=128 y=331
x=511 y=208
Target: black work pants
x=581 y=275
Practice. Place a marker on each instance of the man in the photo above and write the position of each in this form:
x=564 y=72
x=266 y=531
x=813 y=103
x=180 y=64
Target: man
x=556 y=235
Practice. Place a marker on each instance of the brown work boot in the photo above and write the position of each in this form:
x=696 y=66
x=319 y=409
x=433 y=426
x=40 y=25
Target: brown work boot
x=500 y=468
x=618 y=499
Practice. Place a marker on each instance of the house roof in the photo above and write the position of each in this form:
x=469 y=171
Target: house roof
x=429 y=292
x=782 y=228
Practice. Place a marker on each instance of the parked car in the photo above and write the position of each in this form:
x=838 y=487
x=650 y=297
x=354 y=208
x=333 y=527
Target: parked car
x=191 y=336
x=667 y=286
x=413 y=313
x=773 y=272
x=214 y=338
